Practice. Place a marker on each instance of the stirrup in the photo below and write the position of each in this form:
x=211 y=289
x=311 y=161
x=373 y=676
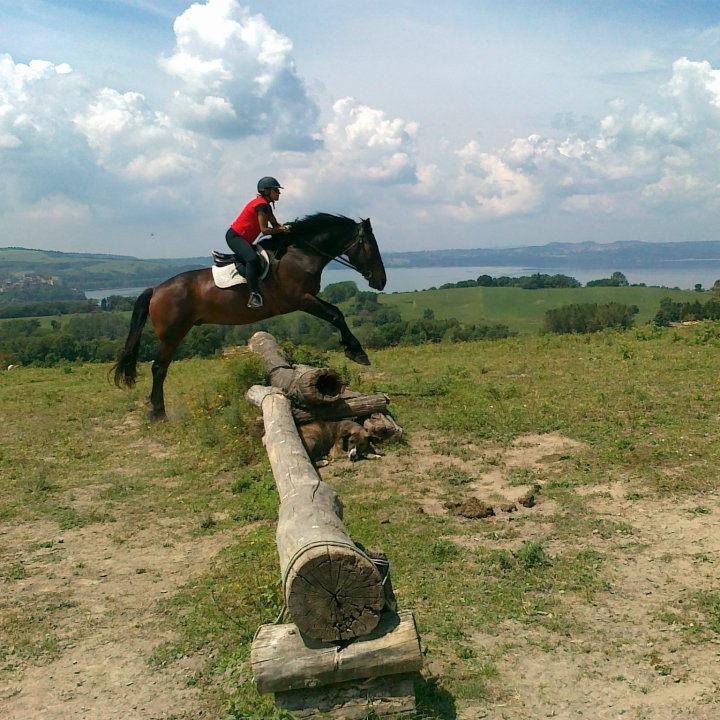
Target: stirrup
x=255 y=301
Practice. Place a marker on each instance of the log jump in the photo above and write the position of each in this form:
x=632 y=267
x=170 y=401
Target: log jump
x=332 y=590
x=347 y=650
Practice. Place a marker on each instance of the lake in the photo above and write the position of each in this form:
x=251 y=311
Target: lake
x=408 y=279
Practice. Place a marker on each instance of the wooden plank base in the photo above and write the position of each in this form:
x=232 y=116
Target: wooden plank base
x=282 y=660
x=391 y=697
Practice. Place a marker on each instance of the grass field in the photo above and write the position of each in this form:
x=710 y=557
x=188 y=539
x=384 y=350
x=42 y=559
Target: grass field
x=524 y=310
x=149 y=549
x=46 y=320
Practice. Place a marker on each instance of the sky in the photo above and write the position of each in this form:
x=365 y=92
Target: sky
x=141 y=127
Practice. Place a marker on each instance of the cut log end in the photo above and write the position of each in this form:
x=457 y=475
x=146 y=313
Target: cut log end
x=315 y=386
x=335 y=594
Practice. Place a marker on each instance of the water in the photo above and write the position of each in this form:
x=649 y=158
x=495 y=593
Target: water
x=408 y=279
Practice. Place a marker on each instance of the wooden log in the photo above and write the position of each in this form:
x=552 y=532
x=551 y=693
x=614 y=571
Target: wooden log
x=332 y=590
x=351 y=405
x=382 y=427
x=391 y=697
x=282 y=660
x=304 y=384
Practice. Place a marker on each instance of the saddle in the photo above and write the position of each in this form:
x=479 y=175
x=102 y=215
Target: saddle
x=225 y=271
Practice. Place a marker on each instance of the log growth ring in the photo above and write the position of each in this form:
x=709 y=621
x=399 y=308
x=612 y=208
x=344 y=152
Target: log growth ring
x=333 y=591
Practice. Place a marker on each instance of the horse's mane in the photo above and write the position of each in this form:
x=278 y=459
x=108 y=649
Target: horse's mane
x=330 y=230
x=305 y=228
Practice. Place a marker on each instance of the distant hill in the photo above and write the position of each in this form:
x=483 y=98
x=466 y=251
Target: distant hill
x=90 y=271
x=585 y=255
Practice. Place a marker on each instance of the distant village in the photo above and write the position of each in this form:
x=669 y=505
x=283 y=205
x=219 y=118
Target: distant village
x=25 y=280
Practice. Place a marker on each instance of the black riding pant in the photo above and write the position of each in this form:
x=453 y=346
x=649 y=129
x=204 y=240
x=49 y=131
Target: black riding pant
x=250 y=258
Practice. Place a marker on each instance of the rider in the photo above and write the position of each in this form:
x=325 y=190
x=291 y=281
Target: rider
x=257 y=218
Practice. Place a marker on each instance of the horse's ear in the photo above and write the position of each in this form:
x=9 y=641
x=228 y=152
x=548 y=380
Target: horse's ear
x=366 y=223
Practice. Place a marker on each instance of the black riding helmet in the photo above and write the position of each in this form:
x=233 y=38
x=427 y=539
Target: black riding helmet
x=267 y=183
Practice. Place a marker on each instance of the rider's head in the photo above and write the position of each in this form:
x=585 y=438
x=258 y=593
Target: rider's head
x=269 y=188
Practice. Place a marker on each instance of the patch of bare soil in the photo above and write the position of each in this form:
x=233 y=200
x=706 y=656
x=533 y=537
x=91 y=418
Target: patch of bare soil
x=108 y=623
x=491 y=469
x=626 y=657
x=628 y=654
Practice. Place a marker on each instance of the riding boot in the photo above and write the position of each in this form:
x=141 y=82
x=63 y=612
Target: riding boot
x=252 y=276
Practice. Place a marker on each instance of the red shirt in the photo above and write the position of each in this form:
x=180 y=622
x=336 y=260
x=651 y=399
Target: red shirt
x=246 y=223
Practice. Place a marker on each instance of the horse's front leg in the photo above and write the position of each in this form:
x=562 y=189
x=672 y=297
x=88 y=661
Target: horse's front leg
x=325 y=311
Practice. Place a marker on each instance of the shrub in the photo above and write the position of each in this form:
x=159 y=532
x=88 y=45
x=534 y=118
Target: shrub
x=589 y=317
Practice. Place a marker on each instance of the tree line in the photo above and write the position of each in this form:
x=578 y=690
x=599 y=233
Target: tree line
x=99 y=336
x=539 y=281
x=49 y=308
x=590 y=317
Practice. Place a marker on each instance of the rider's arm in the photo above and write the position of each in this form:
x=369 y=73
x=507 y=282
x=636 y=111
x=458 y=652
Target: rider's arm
x=268 y=224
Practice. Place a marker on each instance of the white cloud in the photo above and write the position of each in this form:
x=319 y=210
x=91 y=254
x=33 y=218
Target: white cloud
x=363 y=152
x=24 y=117
x=129 y=139
x=57 y=210
x=635 y=158
x=238 y=77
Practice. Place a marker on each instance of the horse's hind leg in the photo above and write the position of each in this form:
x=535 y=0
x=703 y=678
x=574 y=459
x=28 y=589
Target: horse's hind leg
x=157 y=394
x=169 y=342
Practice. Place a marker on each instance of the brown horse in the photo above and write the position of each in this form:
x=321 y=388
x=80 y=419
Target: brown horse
x=297 y=261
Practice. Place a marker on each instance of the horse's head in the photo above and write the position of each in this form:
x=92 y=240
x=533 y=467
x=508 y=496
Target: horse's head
x=364 y=254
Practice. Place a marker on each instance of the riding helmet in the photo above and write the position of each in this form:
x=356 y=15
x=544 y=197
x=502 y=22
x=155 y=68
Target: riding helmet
x=268 y=183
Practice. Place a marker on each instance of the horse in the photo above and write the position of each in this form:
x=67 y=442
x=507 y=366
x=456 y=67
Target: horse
x=297 y=259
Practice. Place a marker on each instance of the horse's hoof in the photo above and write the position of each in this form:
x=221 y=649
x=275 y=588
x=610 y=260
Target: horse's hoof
x=360 y=358
x=156 y=415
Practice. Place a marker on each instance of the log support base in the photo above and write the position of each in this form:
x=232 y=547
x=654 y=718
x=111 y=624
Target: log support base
x=311 y=679
x=391 y=697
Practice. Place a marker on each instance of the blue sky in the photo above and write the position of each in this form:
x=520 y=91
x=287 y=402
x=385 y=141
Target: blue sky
x=141 y=126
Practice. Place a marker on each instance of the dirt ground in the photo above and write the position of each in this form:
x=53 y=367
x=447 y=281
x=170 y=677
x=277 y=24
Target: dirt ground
x=626 y=658
x=111 y=624
x=623 y=661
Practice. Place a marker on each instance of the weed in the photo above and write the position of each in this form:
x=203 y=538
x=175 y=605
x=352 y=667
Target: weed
x=708 y=603
x=451 y=474
x=444 y=551
x=16 y=571
x=208 y=522
x=532 y=555
x=523 y=476
x=68 y=518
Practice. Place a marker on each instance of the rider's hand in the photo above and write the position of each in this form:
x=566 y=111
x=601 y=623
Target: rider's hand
x=284 y=228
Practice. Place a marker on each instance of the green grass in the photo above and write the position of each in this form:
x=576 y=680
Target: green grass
x=643 y=403
x=524 y=310
x=46 y=320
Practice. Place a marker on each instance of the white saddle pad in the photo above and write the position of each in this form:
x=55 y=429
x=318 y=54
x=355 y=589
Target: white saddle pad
x=228 y=276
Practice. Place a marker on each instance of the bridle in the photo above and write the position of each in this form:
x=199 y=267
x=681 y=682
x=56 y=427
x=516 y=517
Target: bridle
x=358 y=239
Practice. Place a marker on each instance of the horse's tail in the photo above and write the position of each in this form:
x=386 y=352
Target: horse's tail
x=125 y=368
